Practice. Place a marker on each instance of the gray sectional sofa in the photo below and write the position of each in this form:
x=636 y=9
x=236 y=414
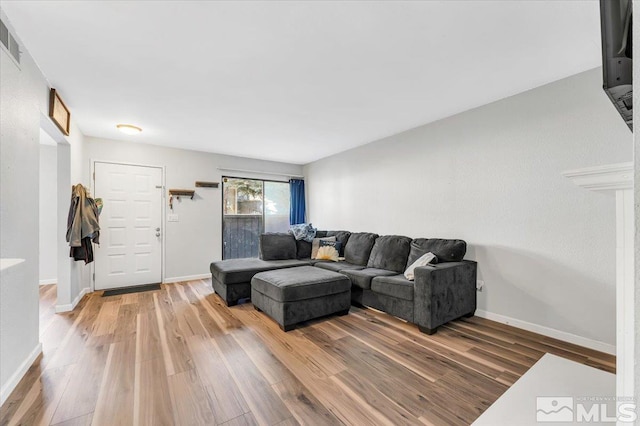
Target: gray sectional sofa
x=374 y=265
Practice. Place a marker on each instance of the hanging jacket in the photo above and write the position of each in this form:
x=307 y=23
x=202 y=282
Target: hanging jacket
x=82 y=224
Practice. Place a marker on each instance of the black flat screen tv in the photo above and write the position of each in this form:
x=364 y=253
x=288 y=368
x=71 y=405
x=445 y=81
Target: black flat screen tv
x=617 y=58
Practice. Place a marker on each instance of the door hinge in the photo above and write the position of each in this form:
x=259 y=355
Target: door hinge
x=94 y=277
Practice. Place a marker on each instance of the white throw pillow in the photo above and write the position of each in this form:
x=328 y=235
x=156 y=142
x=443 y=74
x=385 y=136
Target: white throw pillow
x=423 y=260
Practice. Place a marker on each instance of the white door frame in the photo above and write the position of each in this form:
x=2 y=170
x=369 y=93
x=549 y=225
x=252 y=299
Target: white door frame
x=162 y=212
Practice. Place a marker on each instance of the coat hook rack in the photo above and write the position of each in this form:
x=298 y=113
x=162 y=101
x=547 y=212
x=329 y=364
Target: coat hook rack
x=180 y=193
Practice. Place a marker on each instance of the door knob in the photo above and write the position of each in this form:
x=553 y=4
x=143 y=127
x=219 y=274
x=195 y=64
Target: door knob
x=157 y=234
x=158 y=229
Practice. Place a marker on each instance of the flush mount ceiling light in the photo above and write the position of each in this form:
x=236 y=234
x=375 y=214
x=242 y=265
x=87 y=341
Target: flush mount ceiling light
x=129 y=129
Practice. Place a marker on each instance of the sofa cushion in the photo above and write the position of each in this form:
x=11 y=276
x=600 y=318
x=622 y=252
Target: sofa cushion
x=359 y=247
x=337 y=266
x=445 y=250
x=236 y=271
x=303 y=249
x=362 y=278
x=342 y=237
x=395 y=286
x=277 y=246
x=390 y=252
x=305 y=282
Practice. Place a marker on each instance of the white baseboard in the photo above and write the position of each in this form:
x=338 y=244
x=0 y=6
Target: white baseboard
x=49 y=281
x=185 y=278
x=15 y=378
x=70 y=307
x=549 y=332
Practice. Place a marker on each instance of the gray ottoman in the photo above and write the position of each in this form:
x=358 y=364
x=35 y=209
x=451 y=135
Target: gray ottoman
x=294 y=295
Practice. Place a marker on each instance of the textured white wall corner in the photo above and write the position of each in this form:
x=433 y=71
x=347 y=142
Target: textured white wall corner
x=546 y=249
x=71 y=306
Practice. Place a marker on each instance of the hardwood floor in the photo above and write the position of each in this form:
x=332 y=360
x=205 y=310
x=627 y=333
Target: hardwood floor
x=179 y=356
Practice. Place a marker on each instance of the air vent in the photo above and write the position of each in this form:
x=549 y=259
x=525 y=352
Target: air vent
x=4 y=35
x=9 y=42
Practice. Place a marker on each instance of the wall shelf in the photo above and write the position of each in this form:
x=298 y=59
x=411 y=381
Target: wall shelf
x=200 y=184
x=182 y=193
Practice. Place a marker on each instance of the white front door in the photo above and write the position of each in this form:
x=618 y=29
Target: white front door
x=130 y=250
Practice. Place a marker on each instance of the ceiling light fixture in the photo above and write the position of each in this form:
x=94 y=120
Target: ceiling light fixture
x=129 y=129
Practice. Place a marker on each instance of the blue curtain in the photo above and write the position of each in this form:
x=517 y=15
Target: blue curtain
x=297 y=212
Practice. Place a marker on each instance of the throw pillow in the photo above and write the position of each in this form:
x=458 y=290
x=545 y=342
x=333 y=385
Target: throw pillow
x=327 y=253
x=315 y=245
x=336 y=244
x=423 y=260
x=303 y=231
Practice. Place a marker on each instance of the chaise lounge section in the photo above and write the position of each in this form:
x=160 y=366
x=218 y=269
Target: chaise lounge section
x=231 y=279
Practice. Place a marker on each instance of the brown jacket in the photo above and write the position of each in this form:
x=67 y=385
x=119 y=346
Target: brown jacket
x=83 y=218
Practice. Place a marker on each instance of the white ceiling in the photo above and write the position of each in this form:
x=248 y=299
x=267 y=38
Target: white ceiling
x=295 y=81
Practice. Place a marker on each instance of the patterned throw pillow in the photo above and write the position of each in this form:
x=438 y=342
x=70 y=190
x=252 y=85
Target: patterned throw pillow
x=315 y=245
x=303 y=231
x=331 y=243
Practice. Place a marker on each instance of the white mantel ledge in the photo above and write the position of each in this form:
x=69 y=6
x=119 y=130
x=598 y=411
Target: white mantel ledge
x=609 y=177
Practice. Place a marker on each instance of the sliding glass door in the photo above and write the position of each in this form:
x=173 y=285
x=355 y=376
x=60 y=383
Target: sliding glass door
x=277 y=201
x=251 y=207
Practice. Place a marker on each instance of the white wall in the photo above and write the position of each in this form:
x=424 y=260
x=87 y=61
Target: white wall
x=24 y=102
x=48 y=228
x=80 y=274
x=19 y=150
x=193 y=242
x=492 y=176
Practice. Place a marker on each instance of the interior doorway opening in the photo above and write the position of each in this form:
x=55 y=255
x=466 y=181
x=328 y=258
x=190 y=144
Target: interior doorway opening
x=48 y=227
x=48 y=268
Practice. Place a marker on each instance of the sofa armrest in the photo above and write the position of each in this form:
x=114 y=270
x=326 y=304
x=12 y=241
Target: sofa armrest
x=444 y=292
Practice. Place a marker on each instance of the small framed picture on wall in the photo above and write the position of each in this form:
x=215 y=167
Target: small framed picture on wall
x=59 y=112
